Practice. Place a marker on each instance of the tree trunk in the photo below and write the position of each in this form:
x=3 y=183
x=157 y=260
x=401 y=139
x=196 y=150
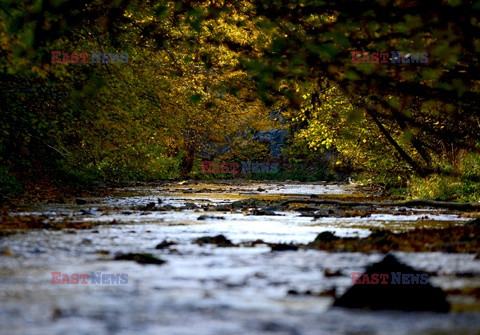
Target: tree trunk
x=188 y=158
x=394 y=143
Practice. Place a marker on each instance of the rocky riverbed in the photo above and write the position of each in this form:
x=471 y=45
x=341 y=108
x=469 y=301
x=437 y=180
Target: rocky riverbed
x=227 y=258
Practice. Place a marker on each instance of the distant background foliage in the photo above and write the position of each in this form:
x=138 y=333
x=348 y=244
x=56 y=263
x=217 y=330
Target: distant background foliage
x=208 y=74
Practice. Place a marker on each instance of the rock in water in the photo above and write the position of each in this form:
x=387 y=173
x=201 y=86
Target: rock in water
x=141 y=258
x=165 y=244
x=149 y=206
x=210 y=217
x=251 y=202
x=284 y=247
x=402 y=296
x=219 y=240
x=325 y=236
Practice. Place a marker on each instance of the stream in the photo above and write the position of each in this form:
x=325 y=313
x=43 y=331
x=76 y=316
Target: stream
x=208 y=289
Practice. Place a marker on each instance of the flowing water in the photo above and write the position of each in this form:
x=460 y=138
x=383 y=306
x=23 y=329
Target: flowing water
x=208 y=289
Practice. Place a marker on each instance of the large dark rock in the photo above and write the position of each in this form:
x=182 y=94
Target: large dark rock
x=219 y=240
x=141 y=258
x=284 y=247
x=325 y=236
x=165 y=244
x=408 y=297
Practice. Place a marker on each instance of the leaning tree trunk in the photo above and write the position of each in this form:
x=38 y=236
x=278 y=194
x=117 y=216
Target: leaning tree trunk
x=394 y=143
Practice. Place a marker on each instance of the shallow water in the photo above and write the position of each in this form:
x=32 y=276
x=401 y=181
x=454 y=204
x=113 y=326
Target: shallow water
x=207 y=289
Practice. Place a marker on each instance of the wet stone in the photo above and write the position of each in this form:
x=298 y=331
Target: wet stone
x=307 y=214
x=166 y=208
x=251 y=202
x=141 y=258
x=86 y=212
x=329 y=273
x=149 y=206
x=223 y=208
x=165 y=244
x=219 y=240
x=210 y=217
x=328 y=293
x=273 y=208
x=189 y=205
x=363 y=208
x=259 y=212
x=251 y=244
x=326 y=236
x=307 y=209
x=328 y=212
x=191 y=191
x=283 y=247
x=393 y=296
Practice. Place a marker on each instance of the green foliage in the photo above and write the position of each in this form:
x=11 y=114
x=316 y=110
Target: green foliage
x=405 y=124
x=461 y=183
x=9 y=185
x=141 y=120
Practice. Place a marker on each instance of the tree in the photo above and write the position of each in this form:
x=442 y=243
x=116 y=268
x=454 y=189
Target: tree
x=122 y=120
x=431 y=104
